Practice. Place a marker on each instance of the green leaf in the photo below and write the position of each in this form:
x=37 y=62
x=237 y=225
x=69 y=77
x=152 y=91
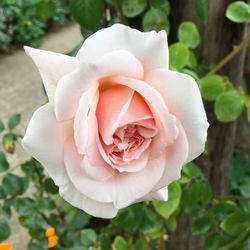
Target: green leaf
x=211 y=87
x=14 y=121
x=172 y=224
x=25 y=206
x=223 y=209
x=45 y=203
x=248 y=113
x=162 y=5
x=213 y=241
x=238 y=12
x=1 y=126
x=236 y=223
x=155 y=19
x=87 y=13
x=178 y=55
x=13 y=184
x=46 y=8
x=4 y=165
x=35 y=246
x=201 y=7
x=80 y=220
x=140 y=245
x=245 y=187
x=4 y=229
x=50 y=186
x=228 y=106
x=132 y=8
x=189 y=35
x=120 y=244
x=192 y=60
x=202 y=225
x=88 y=237
x=167 y=208
x=191 y=170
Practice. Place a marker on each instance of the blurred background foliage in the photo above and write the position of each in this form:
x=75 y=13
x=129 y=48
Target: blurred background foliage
x=209 y=207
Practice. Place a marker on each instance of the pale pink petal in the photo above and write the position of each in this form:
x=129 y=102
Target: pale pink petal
x=156 y=104
x=149 y=47
x=72 y=86
x=44 y=140
x=121 y=189
x=52 y=67
x=182 y=96
x=112 y=106
x=161 y=195
x=105 y=210
x=176 y=156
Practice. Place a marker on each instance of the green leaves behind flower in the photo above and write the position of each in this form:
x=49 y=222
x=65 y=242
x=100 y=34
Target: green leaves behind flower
x=202 y=225
x=228 y=106
x=14 y=121
x=189 y=35
x=201 y=7
x=120 y=244
x=167 y=208
x=155 y=19
x=88 y=237
x=46 y=8
x=4 y=165
x=212 y=86
x=163 y=5
x=1 y=126
x=4 y=229
x=238 y=12
x=87 y=13
x=178 y=56
x=132 y=8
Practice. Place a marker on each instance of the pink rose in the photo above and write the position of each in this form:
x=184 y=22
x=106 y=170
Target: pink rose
x=119 y=125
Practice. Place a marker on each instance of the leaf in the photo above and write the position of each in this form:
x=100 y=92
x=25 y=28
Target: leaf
x=132 y=8
x=88 y=237
x=4 y=165
x=4 y=229
x=223 y=209
x=87 y=13
x=120 y=244
x=45 y=203
x=248 y=113
x=1 y=126
x=162 y=5
x=236 y=223
x=14 y=121
x=8 y=142
x=46 y=8
x=245 y=187
x=50 y=186
x=191 y=170
x=238 y=12
x=201 y=7
x=155 y=19
x=202 y=225
x=228 y=106
x=189 y=35
x=13 y=184
x=167 y=208
x=211 y=87
x=25 y=206
x=178 y=55
x=213 y=241
x=172 y=224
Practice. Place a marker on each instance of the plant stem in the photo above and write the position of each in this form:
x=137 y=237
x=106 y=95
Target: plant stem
x=231 y=55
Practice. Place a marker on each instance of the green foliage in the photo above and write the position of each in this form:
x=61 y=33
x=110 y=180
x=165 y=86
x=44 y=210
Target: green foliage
x=88 y=237
x=178 y=56
x=4 y=165
x=228 y=106
x=120 y=244
x=132 y=8
x=4 y=229
x=46 y=8
x=212 y=86
x=238 y=12
x=189 y=35
x=201 y=7
x=1 y=126
x=14 y=121
x=155 y=19
x=87 y=13
x=202 y=225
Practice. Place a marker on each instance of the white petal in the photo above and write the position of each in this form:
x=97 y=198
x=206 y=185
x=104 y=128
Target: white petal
x=94 y=208
x=44 y=140
x=161 y=195
x=71 y=87
x=52 y=67
x=149 y=47
x=182 y=96
x=121 y=189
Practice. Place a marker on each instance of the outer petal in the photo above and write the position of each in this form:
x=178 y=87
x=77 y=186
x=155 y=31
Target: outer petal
x=149 y=47
x=182 y=96
x=95 y=208
x=161 y=194
x=52 y=67
x=72 y=86
x=44 y=140
x=121 y=189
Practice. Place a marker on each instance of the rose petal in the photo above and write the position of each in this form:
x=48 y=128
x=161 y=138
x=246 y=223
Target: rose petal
x=52 y=67
x=99 y=209
x=44 y=140
x=72 y=86
x=121 y=189
x=161 y=195
x=182 y=96
x=149 y=47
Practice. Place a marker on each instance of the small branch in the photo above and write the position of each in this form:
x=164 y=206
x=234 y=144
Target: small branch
x=233 y=197
x=231 y=55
